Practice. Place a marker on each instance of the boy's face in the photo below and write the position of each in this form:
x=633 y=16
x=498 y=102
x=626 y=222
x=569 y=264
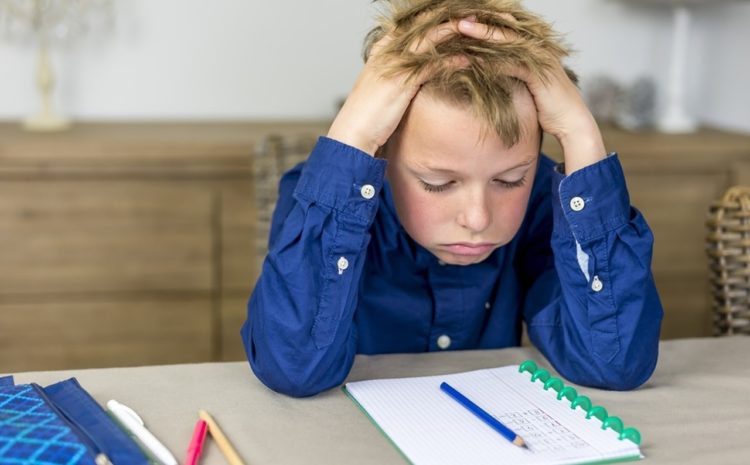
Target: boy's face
x=457 y=194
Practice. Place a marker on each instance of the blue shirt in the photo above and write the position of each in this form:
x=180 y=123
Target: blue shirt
x=343 y=277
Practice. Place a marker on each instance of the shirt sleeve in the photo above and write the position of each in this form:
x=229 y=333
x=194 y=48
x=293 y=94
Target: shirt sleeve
x=299 y=335
x=592 y=307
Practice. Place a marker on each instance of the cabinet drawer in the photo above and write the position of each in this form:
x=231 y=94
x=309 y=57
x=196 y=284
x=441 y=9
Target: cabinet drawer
x=687 y=310
x=233 y=315
x=96 y=236
x=740 y=174
x=240 y=256
x=675 y=207
x=63 y=335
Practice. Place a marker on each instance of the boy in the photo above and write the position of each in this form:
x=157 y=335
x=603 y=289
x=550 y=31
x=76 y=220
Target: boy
x=427 y=219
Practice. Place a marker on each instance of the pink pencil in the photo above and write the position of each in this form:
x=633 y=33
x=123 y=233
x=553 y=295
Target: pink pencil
x=196 y=444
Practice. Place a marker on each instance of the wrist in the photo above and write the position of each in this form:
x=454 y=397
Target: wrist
x=350 y=138
x=582 y=148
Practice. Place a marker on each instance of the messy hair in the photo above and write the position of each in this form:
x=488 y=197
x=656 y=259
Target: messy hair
x=483 y=84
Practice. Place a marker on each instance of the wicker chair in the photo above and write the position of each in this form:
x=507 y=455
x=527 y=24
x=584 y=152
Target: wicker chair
x=728 y=247
x=275 y=155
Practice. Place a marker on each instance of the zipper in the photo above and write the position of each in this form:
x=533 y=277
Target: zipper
x=100 y=458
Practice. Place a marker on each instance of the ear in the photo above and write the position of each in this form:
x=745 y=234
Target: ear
x=572 y=75
x=371 y=39
x=541 y=139
x=381 y=152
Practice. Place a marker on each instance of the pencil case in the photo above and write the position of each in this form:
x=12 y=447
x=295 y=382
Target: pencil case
x=59 y=425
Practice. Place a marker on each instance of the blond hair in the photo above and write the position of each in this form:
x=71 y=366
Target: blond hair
x=483 y=84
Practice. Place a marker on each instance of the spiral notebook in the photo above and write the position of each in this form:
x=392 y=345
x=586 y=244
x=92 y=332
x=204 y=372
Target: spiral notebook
x=558 y=425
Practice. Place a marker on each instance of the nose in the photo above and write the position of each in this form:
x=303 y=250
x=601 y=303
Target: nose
x=475 y=213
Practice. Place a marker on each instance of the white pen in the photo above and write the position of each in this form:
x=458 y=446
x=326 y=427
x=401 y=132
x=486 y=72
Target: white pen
x=135 y=426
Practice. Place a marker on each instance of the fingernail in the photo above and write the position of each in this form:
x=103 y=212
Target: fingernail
x=465 y=23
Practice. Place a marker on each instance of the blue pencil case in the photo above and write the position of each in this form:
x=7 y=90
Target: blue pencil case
x=59 y=425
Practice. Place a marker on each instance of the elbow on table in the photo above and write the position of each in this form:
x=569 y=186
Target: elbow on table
x=284 y=379
x=627 y=379
x=287 y=386
x=632 y=365
x=290 y=376
x=615 y=377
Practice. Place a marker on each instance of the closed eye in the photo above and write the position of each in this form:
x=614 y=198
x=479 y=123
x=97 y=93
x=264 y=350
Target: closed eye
x=436 y=187
x=511 y=184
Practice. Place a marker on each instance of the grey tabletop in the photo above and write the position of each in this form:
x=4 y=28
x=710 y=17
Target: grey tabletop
x=694 y=410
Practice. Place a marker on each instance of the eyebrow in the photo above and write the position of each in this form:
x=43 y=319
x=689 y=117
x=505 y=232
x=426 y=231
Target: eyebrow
x=452 y=172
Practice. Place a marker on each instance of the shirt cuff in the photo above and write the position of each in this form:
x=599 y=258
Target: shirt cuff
x=590 y=202
x=343 y=178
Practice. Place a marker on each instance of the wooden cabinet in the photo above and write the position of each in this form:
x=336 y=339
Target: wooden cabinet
x=85 y=331
x=130 y=244
x=672 y=180
x=94 y=236
x=127 y=244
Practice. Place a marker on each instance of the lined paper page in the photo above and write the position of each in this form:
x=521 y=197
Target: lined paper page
x=431 y=428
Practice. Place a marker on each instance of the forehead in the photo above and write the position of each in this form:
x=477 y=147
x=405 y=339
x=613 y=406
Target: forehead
x=442 y=135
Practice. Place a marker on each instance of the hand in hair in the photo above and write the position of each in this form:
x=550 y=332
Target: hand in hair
x=561 y=109
x=377 y=103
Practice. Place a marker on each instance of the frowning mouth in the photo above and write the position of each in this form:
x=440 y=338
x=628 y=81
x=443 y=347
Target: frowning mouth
x=470 y=249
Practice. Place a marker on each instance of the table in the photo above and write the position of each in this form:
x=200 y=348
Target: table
x=694 y=410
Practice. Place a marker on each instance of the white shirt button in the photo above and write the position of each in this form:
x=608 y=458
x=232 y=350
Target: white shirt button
x=487 y=305
x=342 y=264
x=367 y=191
x=444 y=341
x=577 y=204
x=596 y=284
x=441 y=263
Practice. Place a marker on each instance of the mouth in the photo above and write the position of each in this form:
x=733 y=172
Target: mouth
x=470 y=249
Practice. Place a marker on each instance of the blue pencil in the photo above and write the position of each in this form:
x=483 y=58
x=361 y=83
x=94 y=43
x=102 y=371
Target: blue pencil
x=493 y=422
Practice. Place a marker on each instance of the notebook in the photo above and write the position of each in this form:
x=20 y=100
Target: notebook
x=559 y=426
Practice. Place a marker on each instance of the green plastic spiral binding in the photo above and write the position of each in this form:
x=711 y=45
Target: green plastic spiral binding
x=579 y=401
x=598 y=412
x=542 y=374
x=568 y=392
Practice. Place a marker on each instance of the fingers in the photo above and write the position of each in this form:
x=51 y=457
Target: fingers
x=379 y=41
x=454 y=62
x=467 y=26
x=435 y=36
x=425 y=43
x=471 y=28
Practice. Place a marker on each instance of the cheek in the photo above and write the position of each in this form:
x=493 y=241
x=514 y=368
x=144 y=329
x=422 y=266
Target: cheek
x=421 y=214
x=508 y=213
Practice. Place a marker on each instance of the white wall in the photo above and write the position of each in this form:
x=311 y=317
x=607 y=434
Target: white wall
x=634 y=40
x=725 y=66
x=197 y=59
x=249 y=59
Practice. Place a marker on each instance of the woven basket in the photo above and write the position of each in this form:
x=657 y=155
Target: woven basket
x=728 y=247
x=275 y=156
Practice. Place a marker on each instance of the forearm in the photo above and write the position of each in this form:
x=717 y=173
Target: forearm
x=299 y=335
x=607 y=338
x=279 y=341
x=583 y=144
x=601 y=324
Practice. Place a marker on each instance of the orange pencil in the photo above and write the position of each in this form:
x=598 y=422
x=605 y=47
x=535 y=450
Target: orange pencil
x=221 y=440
